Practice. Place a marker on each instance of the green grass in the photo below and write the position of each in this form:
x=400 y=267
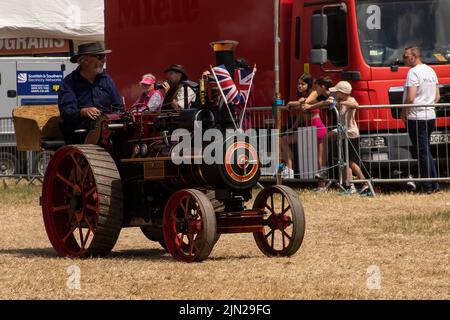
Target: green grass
x=19 y=194
x=421 y=224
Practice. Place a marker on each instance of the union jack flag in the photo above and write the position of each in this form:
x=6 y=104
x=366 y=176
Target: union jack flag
x=226 y=83
x=245 y=77
x=215 y=94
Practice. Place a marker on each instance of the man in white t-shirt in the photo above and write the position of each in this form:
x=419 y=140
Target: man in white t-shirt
x=421 y=88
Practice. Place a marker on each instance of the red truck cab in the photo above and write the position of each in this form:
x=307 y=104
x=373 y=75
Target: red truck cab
x=364 y=44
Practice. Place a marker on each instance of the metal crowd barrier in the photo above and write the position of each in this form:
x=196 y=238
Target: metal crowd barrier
x=386 y=151
x=305 y=153
x=16 y=164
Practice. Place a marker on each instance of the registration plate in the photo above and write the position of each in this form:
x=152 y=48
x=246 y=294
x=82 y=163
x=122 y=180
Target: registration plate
x=439 y=138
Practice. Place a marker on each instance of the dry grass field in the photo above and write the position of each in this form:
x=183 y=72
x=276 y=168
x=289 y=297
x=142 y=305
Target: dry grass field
x=406 y=236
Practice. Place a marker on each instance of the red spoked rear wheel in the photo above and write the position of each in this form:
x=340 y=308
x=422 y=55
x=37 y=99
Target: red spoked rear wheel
x=284 y=223
x=189 y=226
x=82 y=201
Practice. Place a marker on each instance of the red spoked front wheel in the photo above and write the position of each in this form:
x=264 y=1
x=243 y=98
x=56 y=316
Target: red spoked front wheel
x=284 y=223
x=82 y=201
x=189 y=226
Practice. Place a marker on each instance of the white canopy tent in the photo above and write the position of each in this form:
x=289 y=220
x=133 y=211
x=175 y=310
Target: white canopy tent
x=78 y=20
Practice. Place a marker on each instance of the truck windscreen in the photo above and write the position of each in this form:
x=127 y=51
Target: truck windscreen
x=386 y=27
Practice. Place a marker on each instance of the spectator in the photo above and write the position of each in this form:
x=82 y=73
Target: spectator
x=421 y=88
x=304 y=89
x=320 y=98
x=88 y=92
x=347 y=106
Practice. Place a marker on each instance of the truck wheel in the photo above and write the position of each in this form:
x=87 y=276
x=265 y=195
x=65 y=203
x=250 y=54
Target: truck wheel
x=82 y=201
x=8 y=164
x=41 y=162
x=284 y=224
x=189 y=226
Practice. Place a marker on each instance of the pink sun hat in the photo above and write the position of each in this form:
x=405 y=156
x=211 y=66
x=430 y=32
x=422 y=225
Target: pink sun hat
x=148 y=81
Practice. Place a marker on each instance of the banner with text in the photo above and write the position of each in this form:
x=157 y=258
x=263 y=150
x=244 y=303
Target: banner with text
x=42 y=83
x=28 y=46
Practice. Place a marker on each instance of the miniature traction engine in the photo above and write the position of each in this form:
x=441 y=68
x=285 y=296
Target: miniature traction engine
x=124 y=175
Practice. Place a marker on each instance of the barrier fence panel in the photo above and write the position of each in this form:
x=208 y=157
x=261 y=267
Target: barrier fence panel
x=384 y=147
x=387 y=150
x=12 y=162
x=307 y=153
x=304 y=154
x=19 y=164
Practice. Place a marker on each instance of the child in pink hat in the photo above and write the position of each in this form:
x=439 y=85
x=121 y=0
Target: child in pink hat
x=150 y=98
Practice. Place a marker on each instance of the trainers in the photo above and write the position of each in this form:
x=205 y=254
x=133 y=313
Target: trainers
x=352 y=189
x=287 y=173
x=436 y=188
x=319 y=189
x=365 y=191
x=431 y=191
x=345 y=191
x=411 y=185
x=322 y=175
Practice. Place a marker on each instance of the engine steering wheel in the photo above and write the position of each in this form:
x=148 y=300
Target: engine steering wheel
x=135 y=108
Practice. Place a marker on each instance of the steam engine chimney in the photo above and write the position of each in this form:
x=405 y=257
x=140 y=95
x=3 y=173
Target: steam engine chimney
x=224 y=51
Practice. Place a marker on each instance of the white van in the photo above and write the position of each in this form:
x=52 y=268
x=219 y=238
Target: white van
x=26 y=81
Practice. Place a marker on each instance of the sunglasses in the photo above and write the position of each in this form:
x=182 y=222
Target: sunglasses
x=99 y=56
x=406 y=56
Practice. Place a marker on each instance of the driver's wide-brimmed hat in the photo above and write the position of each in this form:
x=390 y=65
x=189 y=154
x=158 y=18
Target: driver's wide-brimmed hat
x=89 y=48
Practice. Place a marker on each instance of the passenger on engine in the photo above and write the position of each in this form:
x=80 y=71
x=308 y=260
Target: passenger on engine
x=178 y=94
x=150 y=98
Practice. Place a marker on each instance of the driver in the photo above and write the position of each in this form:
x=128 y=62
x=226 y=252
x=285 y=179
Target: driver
x=87 y=92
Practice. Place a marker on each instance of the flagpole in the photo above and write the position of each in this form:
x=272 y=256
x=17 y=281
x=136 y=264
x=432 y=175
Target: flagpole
x=277 y=95
x=247 y=98
x=223 y=96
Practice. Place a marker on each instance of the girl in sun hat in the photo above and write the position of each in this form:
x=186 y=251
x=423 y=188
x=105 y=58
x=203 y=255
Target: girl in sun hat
x=150 y=98
x=347 y=106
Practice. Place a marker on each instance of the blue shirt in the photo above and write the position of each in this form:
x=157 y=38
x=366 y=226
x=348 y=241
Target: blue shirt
x=77 y=92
